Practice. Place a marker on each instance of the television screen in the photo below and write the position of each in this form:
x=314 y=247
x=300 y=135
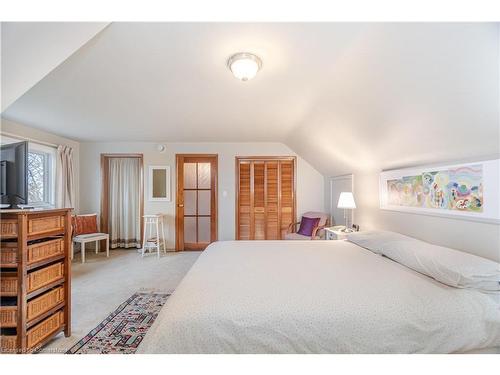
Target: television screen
x=13 y=175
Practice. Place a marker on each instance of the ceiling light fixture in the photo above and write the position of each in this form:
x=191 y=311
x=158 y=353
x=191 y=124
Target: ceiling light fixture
x=244 y=65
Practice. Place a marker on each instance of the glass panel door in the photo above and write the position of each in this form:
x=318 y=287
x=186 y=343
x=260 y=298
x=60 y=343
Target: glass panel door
x=196 y=202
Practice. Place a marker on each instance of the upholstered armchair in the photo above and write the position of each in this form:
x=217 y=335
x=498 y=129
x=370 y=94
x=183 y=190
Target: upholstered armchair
x=315 y=228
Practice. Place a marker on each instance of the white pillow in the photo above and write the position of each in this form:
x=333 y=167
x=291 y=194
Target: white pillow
x=451 y=267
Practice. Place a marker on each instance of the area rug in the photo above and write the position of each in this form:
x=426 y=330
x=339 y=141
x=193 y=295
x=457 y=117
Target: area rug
x=123 y=330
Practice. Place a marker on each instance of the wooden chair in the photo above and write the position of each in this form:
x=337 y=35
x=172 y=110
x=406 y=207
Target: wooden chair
x=85 y=230
x=318 y=232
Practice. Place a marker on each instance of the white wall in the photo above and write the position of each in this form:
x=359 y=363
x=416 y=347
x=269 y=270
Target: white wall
x=13 y=128
x=473 y=237
x=310 y=188
x=30 y=50
x=407 y=95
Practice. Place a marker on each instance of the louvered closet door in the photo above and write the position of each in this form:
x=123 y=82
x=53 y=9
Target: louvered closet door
x=272 y=200
x=287 y=205
x=244 y=196
x=259 y=201
x=265 y=197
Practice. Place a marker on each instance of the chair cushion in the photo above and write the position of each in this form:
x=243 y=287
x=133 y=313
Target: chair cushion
x=307 y=225
x=90 y=237
x=84 y=224
x=296 y=236
x=323 y=217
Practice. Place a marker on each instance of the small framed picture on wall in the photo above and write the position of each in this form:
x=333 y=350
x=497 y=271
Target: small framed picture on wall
x=159 y=183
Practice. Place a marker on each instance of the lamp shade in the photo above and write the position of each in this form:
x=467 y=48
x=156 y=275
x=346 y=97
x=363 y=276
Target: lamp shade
x=346 y=200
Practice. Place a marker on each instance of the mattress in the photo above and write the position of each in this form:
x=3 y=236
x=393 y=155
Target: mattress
x=317 y=297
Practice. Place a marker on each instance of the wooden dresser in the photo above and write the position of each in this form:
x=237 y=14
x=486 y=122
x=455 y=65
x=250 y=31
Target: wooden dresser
x=35 y=278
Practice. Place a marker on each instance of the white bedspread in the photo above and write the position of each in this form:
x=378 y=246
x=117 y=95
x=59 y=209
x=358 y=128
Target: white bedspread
x=317 y=297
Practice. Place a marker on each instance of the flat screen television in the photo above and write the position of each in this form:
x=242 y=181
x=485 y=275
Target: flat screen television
x=14 y=174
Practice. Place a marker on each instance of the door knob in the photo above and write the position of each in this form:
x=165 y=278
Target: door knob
x=180 y=205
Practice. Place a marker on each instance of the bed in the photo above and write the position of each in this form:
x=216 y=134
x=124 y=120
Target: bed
x=317 y=297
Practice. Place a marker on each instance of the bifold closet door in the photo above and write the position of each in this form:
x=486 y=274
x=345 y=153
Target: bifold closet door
x=244 y=203
x=287 y=198
x=273 y=231
x=265 y=204
x=259 y=201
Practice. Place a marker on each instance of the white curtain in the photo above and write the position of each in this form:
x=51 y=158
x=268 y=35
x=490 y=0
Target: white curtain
x=65 y=189
x=124 y=202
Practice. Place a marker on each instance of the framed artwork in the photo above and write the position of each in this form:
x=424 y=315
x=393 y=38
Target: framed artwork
x=159 y=183
x=469 y=191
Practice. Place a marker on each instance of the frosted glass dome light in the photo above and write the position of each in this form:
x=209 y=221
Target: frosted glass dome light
x=244 y=65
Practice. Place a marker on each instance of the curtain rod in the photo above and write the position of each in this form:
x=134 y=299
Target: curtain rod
x=28 y=139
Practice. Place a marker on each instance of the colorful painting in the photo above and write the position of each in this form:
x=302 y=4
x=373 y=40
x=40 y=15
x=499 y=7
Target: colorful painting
x=406 y=191
x=452 y=189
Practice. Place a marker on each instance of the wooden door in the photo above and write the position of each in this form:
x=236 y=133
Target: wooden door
x=265 y=197
x=196 y=214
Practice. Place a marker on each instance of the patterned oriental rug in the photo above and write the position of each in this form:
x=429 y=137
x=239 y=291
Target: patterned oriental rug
x=123 y=330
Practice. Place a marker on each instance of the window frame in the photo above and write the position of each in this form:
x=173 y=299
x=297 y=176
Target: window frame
x=49 y=154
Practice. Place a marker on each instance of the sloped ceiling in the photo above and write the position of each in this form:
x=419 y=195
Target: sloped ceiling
x=30 y=50
x=403 y=95
x=344 y=96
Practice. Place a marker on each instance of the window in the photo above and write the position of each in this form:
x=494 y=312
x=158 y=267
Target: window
x=39 y=178
x=41 y=173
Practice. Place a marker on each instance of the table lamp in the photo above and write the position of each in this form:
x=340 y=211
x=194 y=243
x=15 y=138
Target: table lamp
x=346 y=201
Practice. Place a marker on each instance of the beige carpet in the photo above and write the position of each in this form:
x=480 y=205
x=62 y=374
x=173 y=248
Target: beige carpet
x=101 y=284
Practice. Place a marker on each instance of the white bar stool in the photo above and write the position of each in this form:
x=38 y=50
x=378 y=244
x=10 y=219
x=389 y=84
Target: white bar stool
x=152 y=224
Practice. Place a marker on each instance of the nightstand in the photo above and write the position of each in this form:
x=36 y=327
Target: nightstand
x=335 y=233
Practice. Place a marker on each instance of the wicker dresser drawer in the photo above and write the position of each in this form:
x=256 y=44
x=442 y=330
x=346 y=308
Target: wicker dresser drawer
x=41 y=225
x=37 y=252
x=8 y=284
x=34 y=281
x=44 y=329
x=34 y=335
x=44 y=250
x=8 y=342
x=8 y=316
x=8 y=228
x=35 y=307
x=8 y=254
x=39 y=305
x=44 y=276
